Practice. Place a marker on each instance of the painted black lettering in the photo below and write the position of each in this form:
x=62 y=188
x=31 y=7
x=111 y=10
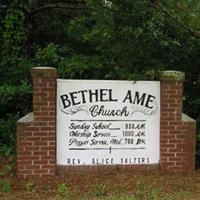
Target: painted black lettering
x=65 y=101
x=103 y=93
x=83 y=95
x=150 y=99
x=138 y=99
x=93 y=94
x=128 y=97
x=110 y=96
x=73 y=97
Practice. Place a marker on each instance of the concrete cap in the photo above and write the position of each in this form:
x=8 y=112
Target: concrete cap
x=49 y=72
x=26 y=119
x=186 y=118
x=171 y=75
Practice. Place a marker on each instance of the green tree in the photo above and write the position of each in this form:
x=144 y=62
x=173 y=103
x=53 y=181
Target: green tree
x=97 y=40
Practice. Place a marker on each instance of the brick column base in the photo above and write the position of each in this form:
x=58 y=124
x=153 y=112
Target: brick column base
x=177 y=131
x=36 y=132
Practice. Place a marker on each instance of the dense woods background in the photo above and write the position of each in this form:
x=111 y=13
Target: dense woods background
x=95 y=39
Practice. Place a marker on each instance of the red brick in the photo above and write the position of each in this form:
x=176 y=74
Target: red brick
x=168 y=154
x=175 y=159
x=168 y=136
x=40 y=124
x=50 y=118
x=176 y=141
x=24 y=162
x=32 y=128
x=182 y=154
x=41 y=113
x=40 y=171
x=47 y=128
x=40 y=134
x=52 y=143
x=175 y=150
x=174 y=168
x=32 y=148
x=40 y=162
x=33 y=167
x=33 y=139
x=40 y=143
x=41 y=153
x=26 y=171
x=26 y=153
x=168 y=128
x=163 y=141
x=49 y=138
x=167 y=146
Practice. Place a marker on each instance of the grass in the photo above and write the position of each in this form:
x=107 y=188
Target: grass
x=5 y=186
x=100 y=190
x=6 y=170
x=63 y=191
x=116 y=186
x=30 y=186
x=142 y=189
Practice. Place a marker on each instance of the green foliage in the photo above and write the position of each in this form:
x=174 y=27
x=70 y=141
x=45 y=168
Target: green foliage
x=5 y=186
x=14 y=34
x=63 y=190
x=130 y=37
x=11 y=98
x=6 y=170
x=187 y=12
x=15 y=89
x=80 y=66
x=47 y=56
x=100 y=190
x=30 y=187
x=7 y=135
x=147 y=191
x=14 y=68
x=126 y=39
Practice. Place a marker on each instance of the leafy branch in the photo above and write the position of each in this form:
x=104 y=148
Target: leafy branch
x=167 y=12
x=55 y=6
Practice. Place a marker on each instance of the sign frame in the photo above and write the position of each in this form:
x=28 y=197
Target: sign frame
x=134 y=113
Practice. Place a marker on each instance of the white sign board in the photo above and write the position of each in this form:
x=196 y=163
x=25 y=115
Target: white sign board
x=108 y=122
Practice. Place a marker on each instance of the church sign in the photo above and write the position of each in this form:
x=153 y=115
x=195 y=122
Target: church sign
x=81 y=126
x=108 y=122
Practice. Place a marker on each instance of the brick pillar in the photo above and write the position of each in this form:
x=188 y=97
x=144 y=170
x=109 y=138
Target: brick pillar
x=36 y=132
x=177 y=131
